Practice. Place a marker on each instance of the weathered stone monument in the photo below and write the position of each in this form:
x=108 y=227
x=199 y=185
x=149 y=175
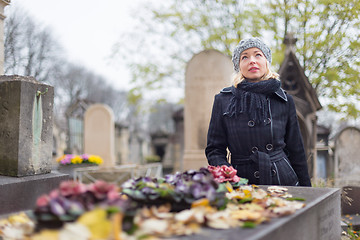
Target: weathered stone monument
x=26 y=126
x=25 y=142
x=206 y=74
x=99 y=130
x=347 y=157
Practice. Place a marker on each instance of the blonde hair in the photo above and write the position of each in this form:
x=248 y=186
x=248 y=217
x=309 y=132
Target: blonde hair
x=238 y=77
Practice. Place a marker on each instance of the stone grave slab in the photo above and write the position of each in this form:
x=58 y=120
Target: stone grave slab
x=319 y=220
x=20 y=194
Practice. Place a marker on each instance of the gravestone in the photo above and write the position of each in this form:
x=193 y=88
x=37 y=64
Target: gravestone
x=206 y=74
x=25 y=143
x=25 y=126
x=99 y=132
x=347 y=157
x=99 y=140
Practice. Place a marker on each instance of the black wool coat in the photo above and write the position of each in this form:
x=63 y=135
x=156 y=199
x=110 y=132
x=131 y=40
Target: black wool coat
x=266 y=153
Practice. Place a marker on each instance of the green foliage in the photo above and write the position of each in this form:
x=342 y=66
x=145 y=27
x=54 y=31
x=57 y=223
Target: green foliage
x=328 y=45
x=152 y=158
x=351 y=234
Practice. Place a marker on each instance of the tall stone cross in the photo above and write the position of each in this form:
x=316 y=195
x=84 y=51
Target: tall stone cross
x=3 y=4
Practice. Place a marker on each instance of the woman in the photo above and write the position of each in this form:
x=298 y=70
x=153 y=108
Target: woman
x=256 y=121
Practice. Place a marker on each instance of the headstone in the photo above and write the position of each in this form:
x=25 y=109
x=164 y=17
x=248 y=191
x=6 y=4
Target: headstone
x=99 y=133
x=99 y=140
x=25 y=143
x=25 y=126
x=206 y=74
x=347 y=157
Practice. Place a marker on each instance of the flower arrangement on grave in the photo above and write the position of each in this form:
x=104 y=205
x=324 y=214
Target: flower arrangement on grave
x=224 y=174
x=180 y=190
x=69 y=159
x=72 y=199
x=144 y=207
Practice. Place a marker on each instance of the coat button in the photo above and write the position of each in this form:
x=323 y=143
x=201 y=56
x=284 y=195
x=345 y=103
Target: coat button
x=254 y=149
x=256 y=174
x=251 y=123
x=269 y=147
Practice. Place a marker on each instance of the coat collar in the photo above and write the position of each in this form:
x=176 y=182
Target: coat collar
x=282 y=94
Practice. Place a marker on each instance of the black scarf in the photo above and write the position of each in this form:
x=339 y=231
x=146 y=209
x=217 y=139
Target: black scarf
x=250 y=97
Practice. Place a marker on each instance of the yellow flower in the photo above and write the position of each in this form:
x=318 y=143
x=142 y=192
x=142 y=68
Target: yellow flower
x=95 y=159
x=76 y=159
x=60 y=158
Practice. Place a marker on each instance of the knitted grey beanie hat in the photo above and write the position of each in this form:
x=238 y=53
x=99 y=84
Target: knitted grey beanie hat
x=246 y=44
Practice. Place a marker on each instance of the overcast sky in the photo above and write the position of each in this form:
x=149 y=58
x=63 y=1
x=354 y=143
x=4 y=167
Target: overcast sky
x=87 y=29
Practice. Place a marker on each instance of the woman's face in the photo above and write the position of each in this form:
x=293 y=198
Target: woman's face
x=253 y=64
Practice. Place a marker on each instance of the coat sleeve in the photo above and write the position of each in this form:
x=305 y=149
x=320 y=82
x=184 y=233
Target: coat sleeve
x=295 y=146
x=216 y=138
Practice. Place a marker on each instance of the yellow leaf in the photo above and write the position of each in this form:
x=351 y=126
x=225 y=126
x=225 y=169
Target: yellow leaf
x=229 y=187
x=117 y=225
x=46 y=235
x=247 y=193
x=201 y=202
x=97 y=222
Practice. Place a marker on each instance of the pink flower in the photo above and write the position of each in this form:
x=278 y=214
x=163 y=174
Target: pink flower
x=224 y=173
x=236 y=178
x=54 y=194
x=113 y=195
x=42 y=201
x=101 y=189
x=221 y=179
x=68 y=188
x=228 y=171
x=215 y=171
